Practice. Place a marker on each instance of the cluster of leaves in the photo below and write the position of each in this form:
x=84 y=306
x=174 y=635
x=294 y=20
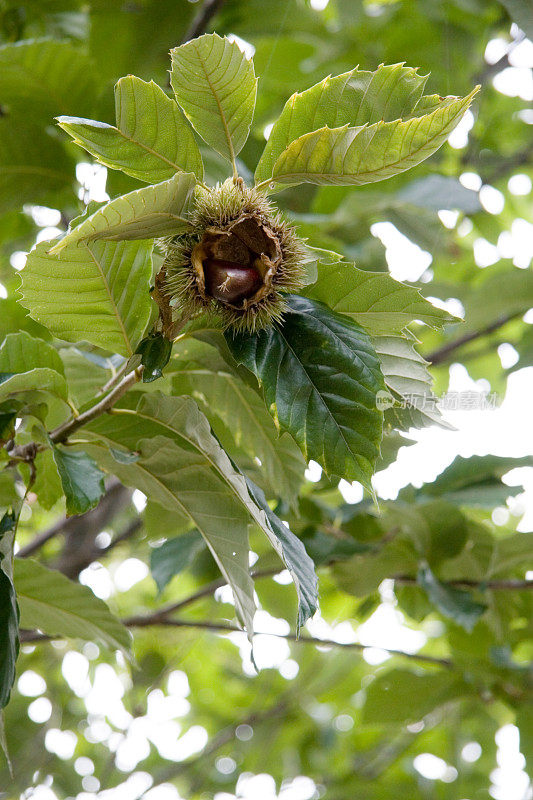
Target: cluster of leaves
x=203 y=443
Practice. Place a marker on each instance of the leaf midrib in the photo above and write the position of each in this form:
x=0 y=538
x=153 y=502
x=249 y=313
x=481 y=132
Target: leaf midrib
x=299 y=175
x=217 y=100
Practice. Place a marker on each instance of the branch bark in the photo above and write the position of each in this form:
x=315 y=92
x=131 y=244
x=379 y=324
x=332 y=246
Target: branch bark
x=442 y=354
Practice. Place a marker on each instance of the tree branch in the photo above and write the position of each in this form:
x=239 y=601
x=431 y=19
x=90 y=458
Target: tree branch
x=98 y=517
x=223 y=627
x=62 y=432
x=506 y=584
x=202 y=19
x=443 y=353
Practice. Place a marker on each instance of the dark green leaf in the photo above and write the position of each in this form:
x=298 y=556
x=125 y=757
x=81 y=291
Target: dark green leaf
x=174 y=556
x=82 y=480
x=155 y=353
x=456 y=604
x=320 y=375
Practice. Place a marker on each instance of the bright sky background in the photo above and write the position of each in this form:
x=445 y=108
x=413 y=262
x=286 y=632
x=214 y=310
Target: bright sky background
x=506 y=431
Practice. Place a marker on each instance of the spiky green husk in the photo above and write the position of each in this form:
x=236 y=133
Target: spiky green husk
x=219 y=208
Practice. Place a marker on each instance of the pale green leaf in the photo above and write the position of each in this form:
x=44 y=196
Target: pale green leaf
x=215 y=85
x=97 y=292
x=141 y=214
x=402 y=696
x=151 y=140
x=47 y=76
x=59 y=607
x=21 y=352
x=41 y=379
x=411 y=401
x=320 y=375
x=374 y=299
x=84 y=377
x=366 y=154
x=182 y=467
x=355 y=98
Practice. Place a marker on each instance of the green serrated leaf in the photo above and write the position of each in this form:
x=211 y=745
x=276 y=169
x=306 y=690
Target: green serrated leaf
x=320 y=376
x=141 y=214
x=357 y=97
x=410 y=401
x=366 y=154
x=215 y=85
x=456 y=604
x=151 y=140
x=374 y=299
x=82 y=481
x=97 y=292
x=173 y=556
x=60 y=607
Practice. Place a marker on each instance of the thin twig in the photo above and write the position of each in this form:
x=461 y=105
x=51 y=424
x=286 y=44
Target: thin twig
x=202 y=19
x=63 y=431
x=495 y=585
x=206 y=591
x=443 y=353
x=223 y=627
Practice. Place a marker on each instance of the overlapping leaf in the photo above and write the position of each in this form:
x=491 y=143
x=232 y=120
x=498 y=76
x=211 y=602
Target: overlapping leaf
x=215 y=85
x=320 y=375
x=366 y=154
x=59 y=607
x=181 y=464
x=97 y=292
x=151 y=140
x=412 y=402
x=357 y=97
x=223 y=394
x=295 y=556
x=374 y=299
x=141 y=214
x=476 y=481
x=182 y=467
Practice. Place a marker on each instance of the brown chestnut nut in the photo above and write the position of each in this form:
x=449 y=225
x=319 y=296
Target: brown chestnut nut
x=229 y=282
